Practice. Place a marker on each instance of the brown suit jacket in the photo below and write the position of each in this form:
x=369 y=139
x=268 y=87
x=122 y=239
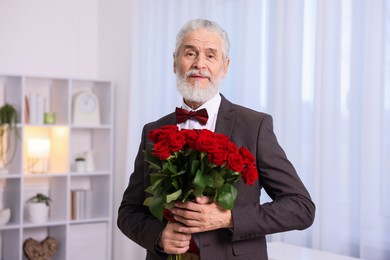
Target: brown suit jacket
x=290 y=209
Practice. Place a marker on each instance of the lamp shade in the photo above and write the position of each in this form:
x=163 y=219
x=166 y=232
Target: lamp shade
x=38 y=148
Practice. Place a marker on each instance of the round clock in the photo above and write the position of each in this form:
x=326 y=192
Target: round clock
x=86 y=109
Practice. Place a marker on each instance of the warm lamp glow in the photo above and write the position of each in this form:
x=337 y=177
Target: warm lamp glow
x=60 y=131
x=38 y=150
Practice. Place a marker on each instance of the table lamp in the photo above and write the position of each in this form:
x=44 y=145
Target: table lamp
x=38 y=150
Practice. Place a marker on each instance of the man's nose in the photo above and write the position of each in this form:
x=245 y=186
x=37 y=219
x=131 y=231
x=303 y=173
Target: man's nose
x=199 y=62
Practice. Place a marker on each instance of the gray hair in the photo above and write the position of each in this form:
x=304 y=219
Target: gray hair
x=212 y=26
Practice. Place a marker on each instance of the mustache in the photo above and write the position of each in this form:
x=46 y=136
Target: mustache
x=197 y=72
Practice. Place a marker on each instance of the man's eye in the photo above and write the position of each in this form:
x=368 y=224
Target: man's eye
x=190 y=54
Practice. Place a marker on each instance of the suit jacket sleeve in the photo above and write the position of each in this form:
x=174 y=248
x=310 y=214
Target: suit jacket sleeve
x=291 y=207
x=134 y=219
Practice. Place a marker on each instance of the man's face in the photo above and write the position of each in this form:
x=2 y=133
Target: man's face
x=200 y=56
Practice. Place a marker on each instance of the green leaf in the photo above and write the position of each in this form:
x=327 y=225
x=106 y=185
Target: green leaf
x=187 y=194
x=178 y=173
x=227 y=195
x=155 y=179
x=154 y=167
x=149 y=190
x=209 y=181
x=157 y=176
x=148 y=201
x=173 y=196
x=199 y=179
x=172 y=169
x=157 y=206
x=204 y=161
x=195 y=166
x=157 y=183
x=175 y=184
x=154 y=161
x=218 y=179
x=198 y=191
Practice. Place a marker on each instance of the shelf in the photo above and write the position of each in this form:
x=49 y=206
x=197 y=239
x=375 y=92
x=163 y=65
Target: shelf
x=44 y=225
x=10 y=176
x=11 y=238
x=52 y=171
x=96 y=173
x=9 y=227
x=90 y=220
x=89 y=235
x=58 y=232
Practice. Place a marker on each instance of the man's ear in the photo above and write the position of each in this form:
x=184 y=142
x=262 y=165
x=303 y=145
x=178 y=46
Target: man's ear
x=225 y=69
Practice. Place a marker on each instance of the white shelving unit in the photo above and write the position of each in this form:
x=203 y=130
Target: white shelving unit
x=85 y=238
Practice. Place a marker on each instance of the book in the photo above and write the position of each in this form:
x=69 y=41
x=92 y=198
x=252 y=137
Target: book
x=80 y=204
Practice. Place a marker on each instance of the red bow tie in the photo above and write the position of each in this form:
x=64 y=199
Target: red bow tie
x=183 y=115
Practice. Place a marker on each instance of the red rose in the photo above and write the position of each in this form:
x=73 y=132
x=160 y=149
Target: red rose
x=160 y=134
x=161 y=150
x=232 y=148
x=235 y=162
x=168 y=129
x=205 y=141
x=222 y=140
x=247 y=155
x=217 y=156
x=153 y=135
x=176 y=141
x=249 y=174
x=191 y=137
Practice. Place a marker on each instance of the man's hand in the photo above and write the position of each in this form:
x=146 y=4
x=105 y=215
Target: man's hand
x=173 y=241
x=202 y=215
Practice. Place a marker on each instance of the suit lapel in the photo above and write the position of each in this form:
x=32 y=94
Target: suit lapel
x=225 y=118
x=168 y=120
x=171 y=119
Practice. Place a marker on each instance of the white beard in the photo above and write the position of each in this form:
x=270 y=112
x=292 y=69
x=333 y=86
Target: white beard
x=196 y=93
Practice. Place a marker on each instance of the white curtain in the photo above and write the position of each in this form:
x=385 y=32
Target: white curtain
x=321 y=69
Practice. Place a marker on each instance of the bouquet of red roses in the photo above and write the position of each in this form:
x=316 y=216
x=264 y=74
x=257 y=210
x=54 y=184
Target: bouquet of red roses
x=189 y=163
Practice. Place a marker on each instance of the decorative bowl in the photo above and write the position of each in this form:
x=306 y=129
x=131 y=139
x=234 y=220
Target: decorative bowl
x=5 y=215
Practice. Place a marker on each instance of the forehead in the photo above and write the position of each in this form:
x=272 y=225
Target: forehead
x=202 y=38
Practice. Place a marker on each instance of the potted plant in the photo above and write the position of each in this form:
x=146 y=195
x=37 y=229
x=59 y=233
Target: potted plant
x=8 y=121
x=38 y=208
x=80 y=164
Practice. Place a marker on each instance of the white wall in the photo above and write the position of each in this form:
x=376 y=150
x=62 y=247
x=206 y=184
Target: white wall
x=58 y=38
x=85 y=39
x=114 y=63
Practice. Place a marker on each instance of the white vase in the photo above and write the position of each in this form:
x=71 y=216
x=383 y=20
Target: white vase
x=89 y=161
x=38 y=212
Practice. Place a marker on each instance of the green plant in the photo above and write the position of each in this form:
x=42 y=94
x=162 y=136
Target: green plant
x=8 y=115
x=39 y=198
x=8 y=121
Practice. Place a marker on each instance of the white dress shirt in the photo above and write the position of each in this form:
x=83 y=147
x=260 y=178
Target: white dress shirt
x=212 y=107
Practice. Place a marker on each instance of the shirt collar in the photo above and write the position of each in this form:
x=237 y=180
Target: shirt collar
x=211 y=105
